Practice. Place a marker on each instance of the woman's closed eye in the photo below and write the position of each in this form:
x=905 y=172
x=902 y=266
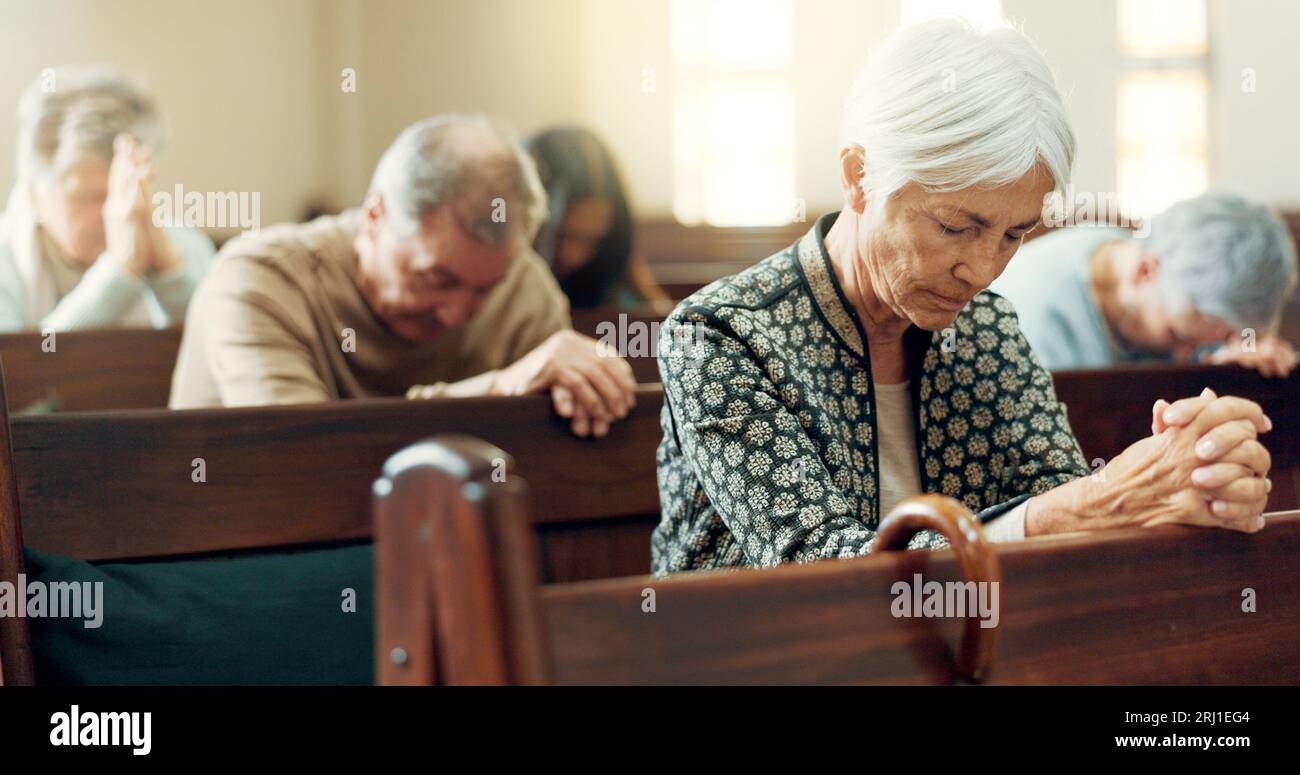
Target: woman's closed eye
x=1010 y=237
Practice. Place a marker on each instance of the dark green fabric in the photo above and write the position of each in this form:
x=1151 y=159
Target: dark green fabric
x=271 y=619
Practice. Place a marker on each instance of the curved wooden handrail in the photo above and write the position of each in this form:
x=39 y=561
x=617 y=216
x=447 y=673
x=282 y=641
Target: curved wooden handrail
x=955 y=522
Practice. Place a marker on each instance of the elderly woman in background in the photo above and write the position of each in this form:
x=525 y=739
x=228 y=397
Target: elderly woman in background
x=807 y=395
x=588 y=238
x=1212 y=269
x=78 y=244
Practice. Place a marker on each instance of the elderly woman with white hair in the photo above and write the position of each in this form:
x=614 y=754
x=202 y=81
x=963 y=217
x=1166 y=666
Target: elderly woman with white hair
x=78 y=244
x=1214 y=270
x=866 y=363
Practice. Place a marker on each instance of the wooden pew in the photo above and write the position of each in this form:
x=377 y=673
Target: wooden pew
x=461 y=602
x=115 y=486
x=111 y=369
x=90 y=370
x=138 y=591
x=105 y=486
x=120 y=485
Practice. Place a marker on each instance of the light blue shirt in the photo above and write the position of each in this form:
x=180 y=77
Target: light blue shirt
x=106 y=294
x=1047 y=283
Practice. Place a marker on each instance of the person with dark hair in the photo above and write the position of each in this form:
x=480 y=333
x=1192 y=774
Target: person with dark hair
x=588 y=238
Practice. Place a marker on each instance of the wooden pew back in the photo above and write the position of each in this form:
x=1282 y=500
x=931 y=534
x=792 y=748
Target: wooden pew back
x=113 y=369
x=80 y=371
x=103 y=486
x=461 y=603
x=121 y=485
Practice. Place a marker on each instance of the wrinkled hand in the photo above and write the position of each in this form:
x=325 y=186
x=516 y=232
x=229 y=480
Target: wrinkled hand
x=1273 y=356
x=590 y=384
x=1202 y=465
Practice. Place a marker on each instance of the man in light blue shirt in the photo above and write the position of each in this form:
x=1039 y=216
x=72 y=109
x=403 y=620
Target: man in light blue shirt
x=1215 y=271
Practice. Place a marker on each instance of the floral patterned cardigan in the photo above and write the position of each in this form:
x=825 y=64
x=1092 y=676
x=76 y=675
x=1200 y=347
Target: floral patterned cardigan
x=769 y=448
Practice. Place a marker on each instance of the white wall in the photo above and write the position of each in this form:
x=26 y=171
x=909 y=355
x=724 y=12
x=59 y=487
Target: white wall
x=1254 y=135
x=1080 y=44
x=251 y=87
x=241 y=85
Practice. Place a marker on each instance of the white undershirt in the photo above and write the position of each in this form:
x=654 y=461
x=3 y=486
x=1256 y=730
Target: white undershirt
x=900 y=476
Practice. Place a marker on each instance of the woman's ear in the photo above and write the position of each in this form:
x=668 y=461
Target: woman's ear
x=852 y=170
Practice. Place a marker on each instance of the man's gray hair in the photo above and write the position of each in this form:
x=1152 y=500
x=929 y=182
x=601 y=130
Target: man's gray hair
x=1225 y=256
x=73 y=113
x=496 y=196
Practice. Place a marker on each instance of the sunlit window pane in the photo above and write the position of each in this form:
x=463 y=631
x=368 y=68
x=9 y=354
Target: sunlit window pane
x=733 y=153
x=1162 y=28
x=981 y=13
x=732 y=35
x=733 y=112
x=1163 y=146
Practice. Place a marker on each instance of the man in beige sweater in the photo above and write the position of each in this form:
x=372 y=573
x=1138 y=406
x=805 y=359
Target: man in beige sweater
x=429 y=289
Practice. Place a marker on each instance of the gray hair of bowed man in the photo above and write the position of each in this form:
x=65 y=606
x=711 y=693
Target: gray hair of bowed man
x=1225 y=256
x=948 y=107
x=422 y=170
x=73 y=113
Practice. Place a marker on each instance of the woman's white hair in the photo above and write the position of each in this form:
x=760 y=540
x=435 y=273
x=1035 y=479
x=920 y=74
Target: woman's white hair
x=1227 y=257
x=426 y=167
x=73 y=113
x=946 y=106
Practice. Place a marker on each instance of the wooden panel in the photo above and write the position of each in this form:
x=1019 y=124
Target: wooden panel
x=118 y=485
x=665 y=241
x=106 y=486
x=1154 y=606
x=597 y=549
x=1132 y=606
x=91 y=370
x=112 y=369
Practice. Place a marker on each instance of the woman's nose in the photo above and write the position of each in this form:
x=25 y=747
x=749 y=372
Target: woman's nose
x=979 y=267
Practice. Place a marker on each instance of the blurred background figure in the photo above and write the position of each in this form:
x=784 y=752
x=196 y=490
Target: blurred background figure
x=1208 y=283
x=78 y=245
x=588 y=238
